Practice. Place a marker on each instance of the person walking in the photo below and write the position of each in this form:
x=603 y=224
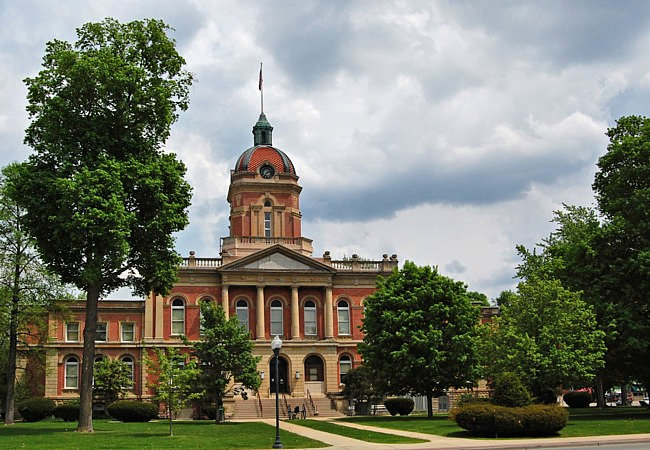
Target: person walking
x=303 y=412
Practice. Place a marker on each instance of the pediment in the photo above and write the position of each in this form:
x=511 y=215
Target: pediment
x=277 y=258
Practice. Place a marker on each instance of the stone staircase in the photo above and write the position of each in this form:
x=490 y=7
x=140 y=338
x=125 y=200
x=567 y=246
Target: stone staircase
x=250 y=409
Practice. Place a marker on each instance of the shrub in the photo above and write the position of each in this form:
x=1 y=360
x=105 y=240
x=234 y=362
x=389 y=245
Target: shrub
x=501 y=421
x=132 y=411
x=68 y=411
x=466 y=399
x=509 y=391
x=402 y=406
x=577 y=399
x=210 y=411
x=544 y=420
x=546 y=397
x=36 y=408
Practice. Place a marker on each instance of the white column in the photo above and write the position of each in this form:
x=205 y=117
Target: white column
x=159 y=317
x=295 y=315
x=148 y=316
x=224 y=300
x=329 y=322
x=260 y=313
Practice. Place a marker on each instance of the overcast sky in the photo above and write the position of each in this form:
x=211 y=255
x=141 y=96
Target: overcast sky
x=445 y=132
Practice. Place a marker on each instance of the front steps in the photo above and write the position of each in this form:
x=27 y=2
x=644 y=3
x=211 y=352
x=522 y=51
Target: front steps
x=250 y=409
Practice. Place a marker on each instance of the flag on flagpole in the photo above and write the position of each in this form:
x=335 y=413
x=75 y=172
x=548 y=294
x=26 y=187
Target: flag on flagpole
x=260 y=84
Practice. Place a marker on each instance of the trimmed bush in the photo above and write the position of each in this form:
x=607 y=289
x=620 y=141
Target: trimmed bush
x=132 y=411
x=577 y=399
x=36 y=408
x=401 y=405
x=544 y=420
x=501 y=421
x=68 y=411
x=509 y=391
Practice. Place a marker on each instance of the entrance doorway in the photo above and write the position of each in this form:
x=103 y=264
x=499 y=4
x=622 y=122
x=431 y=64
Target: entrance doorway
x=284 y=379
x=314 y=375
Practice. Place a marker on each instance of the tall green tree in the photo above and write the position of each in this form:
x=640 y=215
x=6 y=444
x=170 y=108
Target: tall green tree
x=112 y=379
x=27 y=288
x=225 y=355
x=547 y=335
x=102 y=197
x=173 y=382
x=622 y=188
x=420 y=333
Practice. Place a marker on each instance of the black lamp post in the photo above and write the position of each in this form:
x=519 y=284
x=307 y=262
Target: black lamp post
x=276 y=345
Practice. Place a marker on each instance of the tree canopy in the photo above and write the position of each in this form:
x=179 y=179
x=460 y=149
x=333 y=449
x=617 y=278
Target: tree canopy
x=102 y=197
x=225 y=355
x=547 y=335
x=174 y=380
x=27 y=289
x=420 y=333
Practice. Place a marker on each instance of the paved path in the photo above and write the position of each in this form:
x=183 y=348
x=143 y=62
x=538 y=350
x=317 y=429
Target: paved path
x=436 y=442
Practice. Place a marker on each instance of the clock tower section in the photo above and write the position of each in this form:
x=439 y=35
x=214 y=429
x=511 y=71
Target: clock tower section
x=264 y=198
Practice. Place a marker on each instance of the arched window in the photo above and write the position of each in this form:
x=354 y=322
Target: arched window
x=204 y=299
x=277 y=327
x=71 y=367
x=310 y=318
x=242 y=313
x=128 y=360
x=178 y=316
x=343 y=309
x=345 y=364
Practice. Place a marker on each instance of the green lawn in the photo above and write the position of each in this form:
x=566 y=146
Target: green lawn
x=117 y=435
x=355 y=433
x=582 y=422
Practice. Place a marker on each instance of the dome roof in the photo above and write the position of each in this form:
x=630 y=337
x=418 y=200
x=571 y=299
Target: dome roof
x=254 y=157
x=263 y=151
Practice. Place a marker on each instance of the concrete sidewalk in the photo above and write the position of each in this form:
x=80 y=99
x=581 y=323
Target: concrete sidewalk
x=436 y=442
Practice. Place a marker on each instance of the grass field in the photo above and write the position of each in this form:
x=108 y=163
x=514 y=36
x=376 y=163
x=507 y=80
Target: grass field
x=117 y=435
x=355 y=433
x=582 y=422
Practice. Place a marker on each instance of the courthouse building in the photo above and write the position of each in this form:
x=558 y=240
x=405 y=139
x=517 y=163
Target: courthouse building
x=265 y=275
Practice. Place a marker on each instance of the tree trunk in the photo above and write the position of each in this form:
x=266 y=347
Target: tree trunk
x=86 y=392
x=11 y=367
x=170 y=414
x=623 y=394
x=429 y=405
x=600 y=391
x=13 y=343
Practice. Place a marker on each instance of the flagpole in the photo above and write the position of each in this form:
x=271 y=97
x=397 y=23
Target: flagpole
x=261 y=91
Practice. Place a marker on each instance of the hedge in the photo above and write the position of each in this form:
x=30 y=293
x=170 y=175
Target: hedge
x=402 y=406
x=132 y=411
x=68 y=411
x=509 y=391
x=502 y=421
x=577 y=399
x=36 y=408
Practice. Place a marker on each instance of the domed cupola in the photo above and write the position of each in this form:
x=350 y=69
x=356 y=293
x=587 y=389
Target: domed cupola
x=264 y=198
x=263 y=157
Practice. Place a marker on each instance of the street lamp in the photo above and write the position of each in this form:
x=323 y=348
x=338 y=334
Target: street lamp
x=276 y=345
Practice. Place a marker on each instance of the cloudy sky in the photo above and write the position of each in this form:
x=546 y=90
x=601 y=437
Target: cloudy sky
x=445 y=132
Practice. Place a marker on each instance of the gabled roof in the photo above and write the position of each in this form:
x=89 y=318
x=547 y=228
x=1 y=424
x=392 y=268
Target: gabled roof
x=276 y=258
